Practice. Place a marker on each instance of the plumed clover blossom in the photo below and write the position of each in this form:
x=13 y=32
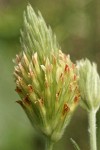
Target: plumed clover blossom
x=89 y=84
x=45 y=78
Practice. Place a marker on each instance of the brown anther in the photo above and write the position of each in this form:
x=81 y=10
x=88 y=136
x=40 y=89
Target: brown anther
x=76 y=99
x=66 y=109
x=66 y=68
x=26 y=100
x=18 y=90
x=30 y=88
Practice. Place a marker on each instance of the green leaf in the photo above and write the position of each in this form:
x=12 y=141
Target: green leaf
x=75 y=144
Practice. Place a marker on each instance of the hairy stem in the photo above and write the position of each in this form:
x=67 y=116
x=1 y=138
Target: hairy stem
x=92 y=130
x=49 y=144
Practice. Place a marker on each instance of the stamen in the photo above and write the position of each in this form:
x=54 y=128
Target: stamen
x=76 y=99
x=18 y=90
x=26 y=100
x=66 y=68
x=66 y=109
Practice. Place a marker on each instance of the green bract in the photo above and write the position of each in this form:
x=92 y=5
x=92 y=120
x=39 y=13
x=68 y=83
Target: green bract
x=89 y=84
x=46 y=78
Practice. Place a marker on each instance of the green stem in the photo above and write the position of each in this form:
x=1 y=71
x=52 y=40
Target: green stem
x=92 y=129
x=49 y=144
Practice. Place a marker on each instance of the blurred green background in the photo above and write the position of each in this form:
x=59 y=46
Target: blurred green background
x=77 y=26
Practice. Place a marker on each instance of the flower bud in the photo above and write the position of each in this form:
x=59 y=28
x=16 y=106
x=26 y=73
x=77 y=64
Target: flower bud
x=89 y=84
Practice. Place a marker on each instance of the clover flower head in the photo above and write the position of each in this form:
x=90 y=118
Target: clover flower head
x=45 y=77
x=89 y=84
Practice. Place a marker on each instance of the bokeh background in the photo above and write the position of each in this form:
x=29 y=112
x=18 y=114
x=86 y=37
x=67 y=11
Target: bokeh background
x=77 y=26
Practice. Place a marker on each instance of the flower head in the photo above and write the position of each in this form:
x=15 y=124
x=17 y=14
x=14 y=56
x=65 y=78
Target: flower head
x=45 y=78
x=89 y=84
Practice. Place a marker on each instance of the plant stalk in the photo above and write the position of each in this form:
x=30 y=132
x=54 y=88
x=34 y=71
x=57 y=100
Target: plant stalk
x=92 y=130
x=49 y=144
